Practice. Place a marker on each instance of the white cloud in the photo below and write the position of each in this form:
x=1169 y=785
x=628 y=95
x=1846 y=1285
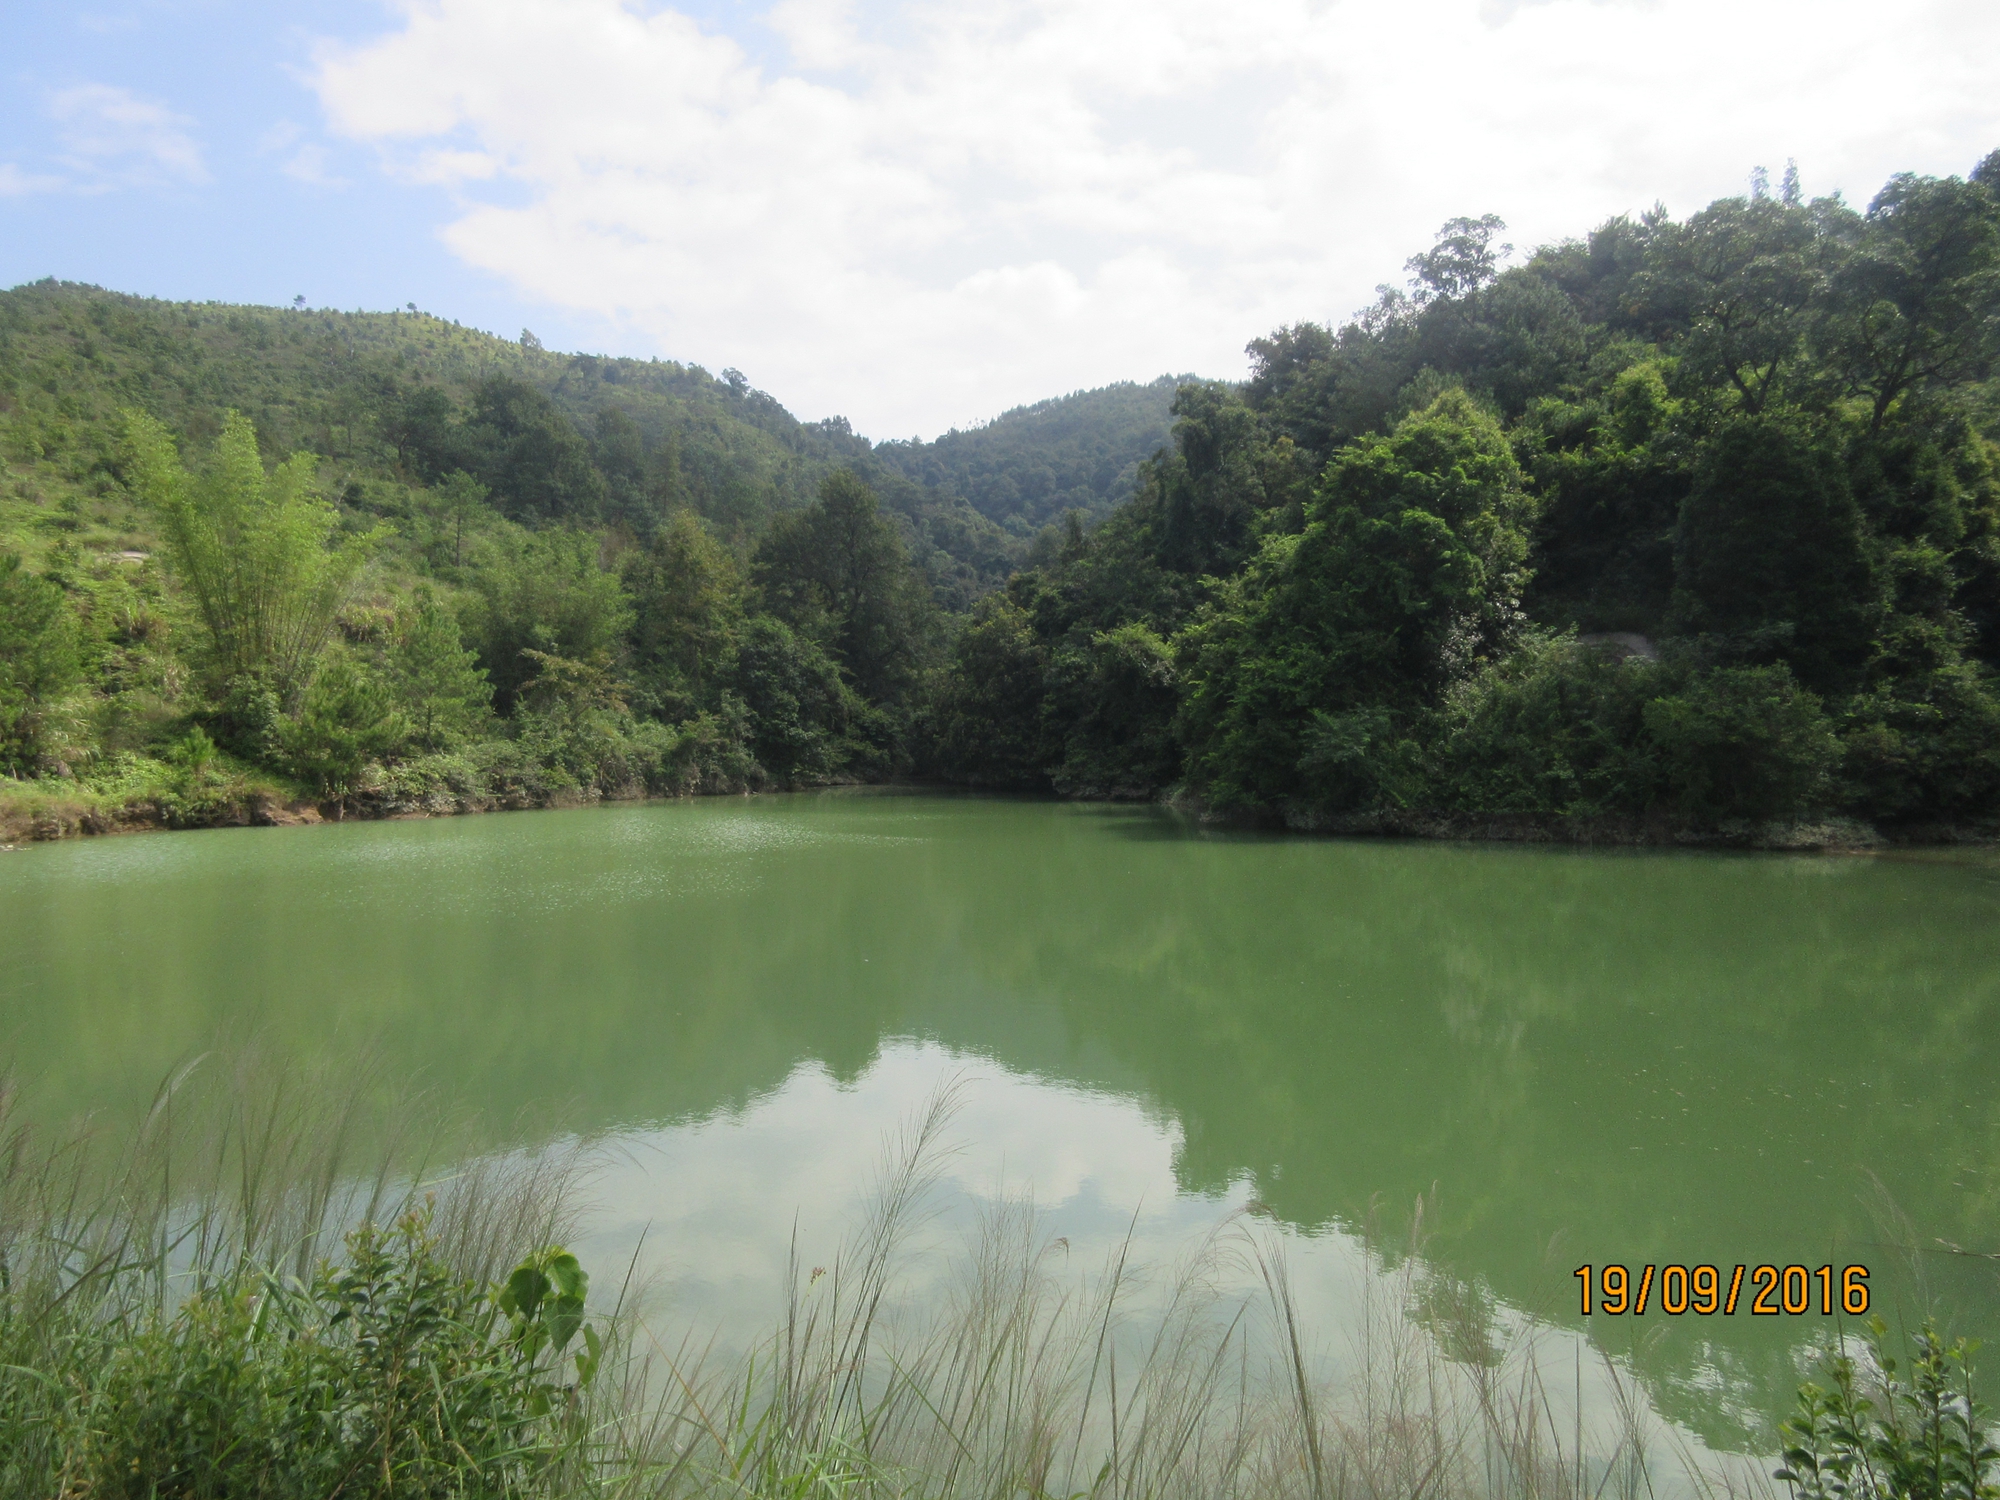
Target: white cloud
x=14 y=183
x=942 y=209
x=304 y=161
x=112 y=137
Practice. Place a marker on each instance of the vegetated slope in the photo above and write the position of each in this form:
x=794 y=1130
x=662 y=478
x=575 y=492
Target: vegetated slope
x=491 y=575
x=1028 y=466
x=406 y=398
x=1677 y=527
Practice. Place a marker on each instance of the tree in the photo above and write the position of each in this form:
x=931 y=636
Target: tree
x=1463 y=260
x=800 y=709
x=550 y=594
x=459 y=504
x=347 y=717
x=1742 y=276
x=1917 y=307
x=40 y=660
x=838 y=571
x=987 y=717
x=1205 y=496
x=620 y=453
x=417 y=422
x=259 y=553
x=1407 y=576
x=533 y=458
x=687 y=602
x=1769 y=556
x=1613 y=472
x=1114 y=696
x=1743 y=742
x=444 y=690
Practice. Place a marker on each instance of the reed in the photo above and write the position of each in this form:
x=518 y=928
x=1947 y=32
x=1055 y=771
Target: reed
x=215 y=1284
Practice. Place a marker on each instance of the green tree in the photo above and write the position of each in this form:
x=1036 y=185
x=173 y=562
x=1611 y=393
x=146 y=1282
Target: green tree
x=1742 y=277
x=1557 y=727
x=1743 y=742
x=1917 y=307
x=687 y=603
x=987 y=717
x=1770 y=560
x=1407 y=576
x=1613 y=473
x=534 y=460
x=444 y=690
x=801 y=711
x=40 y=660
x=1462 y=259
x=1207 y=498
x=347 y=718
x=549 y=593
x=259 y=553
x=450 y=512
x=620 y=453
x=1114 y=694
x=838 y=571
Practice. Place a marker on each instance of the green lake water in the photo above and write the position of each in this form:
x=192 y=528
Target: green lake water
x=1581 y=1056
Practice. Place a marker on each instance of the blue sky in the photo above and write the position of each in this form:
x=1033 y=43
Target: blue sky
x=918 y=213
x=244 y=220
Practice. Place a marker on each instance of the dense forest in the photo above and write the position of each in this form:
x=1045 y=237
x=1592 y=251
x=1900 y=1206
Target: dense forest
x=503 y=577
x=1679 y=526
x=1679 y=529
x=1037 y=463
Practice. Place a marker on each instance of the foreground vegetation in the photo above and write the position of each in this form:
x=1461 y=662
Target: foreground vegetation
x=189 y=1319
x=1682 y=530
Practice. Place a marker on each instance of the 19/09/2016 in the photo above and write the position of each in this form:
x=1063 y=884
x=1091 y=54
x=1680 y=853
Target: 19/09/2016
x=1674 y=1290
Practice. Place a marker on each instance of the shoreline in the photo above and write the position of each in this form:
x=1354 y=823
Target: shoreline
x=56 y=818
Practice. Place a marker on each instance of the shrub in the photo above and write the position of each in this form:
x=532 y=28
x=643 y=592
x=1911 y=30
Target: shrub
x=1556 y=728
x=1742 y=742
x=390 y=1374
x=1887 y=1435
x=40 y=659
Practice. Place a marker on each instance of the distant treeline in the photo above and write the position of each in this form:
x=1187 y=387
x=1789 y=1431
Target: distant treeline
x=1679 y=528
x=1036 y=463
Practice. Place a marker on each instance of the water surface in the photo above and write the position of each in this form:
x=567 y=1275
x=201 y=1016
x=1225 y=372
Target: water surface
x=1575 y=1056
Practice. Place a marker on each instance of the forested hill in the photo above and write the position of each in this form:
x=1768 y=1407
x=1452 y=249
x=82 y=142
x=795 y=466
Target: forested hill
x=1677 y=526
x=1027 y=467
x=1680 y=529
x=396 y=401
x=424 y=566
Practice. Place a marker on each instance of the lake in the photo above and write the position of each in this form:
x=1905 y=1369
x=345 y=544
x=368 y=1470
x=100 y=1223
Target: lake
x=1574 y=1056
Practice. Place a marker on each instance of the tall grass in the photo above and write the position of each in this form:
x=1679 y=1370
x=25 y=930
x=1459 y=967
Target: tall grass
x=208 y=1270
x=1028 y=1379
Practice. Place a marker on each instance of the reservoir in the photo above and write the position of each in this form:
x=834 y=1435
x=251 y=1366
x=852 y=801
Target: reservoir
x=1571 y=1057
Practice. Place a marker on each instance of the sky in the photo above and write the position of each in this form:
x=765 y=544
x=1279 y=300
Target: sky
x=920 y=214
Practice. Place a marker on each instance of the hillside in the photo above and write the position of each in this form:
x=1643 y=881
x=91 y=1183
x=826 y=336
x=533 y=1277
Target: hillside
x=1679 y=529
x=501 y=576
x=396 y=400
x=1025 y=468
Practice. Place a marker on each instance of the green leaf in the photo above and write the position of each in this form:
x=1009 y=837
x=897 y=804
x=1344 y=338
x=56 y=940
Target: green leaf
x=525 y=1290
x=564 y=1318
x=567 y=1274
